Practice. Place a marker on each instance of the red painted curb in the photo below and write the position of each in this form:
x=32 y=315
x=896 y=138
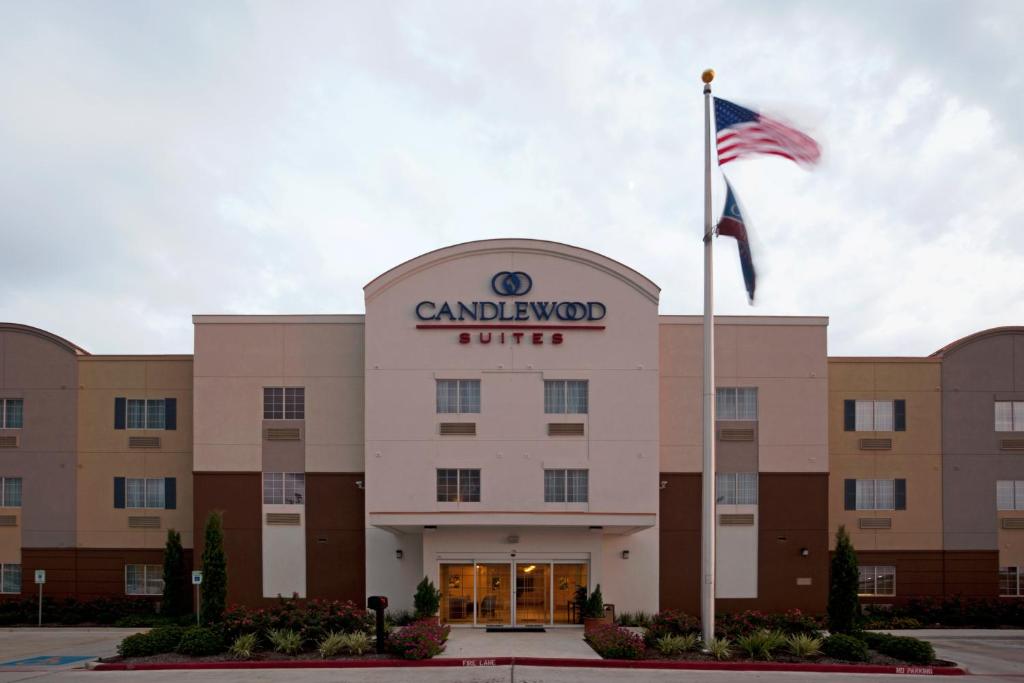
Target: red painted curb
x=548 y=662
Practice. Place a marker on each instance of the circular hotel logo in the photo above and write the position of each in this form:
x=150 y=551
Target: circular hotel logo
x=508 y=283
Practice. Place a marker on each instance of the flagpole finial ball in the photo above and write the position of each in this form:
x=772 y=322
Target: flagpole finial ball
x=708 y=75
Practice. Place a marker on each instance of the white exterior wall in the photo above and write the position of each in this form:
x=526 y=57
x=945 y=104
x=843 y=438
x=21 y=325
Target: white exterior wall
x=512 y=448
x=284 y=554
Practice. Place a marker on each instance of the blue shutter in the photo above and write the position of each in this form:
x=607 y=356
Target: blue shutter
x=901 y=494
x=850 y=491
x=849 y=415
x=170 y=493
x=119 y=492
x=170 y=413
x=120 y=408
x=899 y=409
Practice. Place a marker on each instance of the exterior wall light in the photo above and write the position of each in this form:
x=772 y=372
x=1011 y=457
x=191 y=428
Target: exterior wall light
x=804 y=552
x=399 y=554
x=625 y=554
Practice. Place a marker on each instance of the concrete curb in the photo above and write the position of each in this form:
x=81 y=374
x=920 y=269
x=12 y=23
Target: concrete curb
x=547 y=662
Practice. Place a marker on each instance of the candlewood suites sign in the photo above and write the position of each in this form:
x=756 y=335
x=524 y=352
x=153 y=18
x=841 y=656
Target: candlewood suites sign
x=510 y=322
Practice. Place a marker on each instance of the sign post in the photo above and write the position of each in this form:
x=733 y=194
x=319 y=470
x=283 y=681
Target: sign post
x=40 y=580
x=197 y=579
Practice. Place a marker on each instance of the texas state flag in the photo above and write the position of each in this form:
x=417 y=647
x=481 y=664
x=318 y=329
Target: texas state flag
x=731 y=224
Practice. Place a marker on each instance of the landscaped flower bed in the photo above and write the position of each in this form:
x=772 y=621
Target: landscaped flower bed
x=755 y=637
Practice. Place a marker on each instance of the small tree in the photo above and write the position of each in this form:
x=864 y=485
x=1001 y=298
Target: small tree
x=595 y=604
x=427 y=599
x=843 y=604
x=214 y=589
x=175 y=600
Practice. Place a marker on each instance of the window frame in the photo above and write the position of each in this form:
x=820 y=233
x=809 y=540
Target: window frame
x=148 y=581
x=147 y=491
x=563 y=389
x=875 y=505
x=721 y=396
x=723 y=478
x=4 y=413
x=463 y=482
x=289 y=403
x=468 y=396
x=7 y=569
x=288 y=481
x=1016 y=495
x=890 y=403
x=146 y=413
x=4 y=503
x=564 y=491
x=876 y=576
x=1016 y=417
x=1018 y=580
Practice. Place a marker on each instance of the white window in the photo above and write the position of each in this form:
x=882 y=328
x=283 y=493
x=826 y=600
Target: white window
x=874 y=416
x=143 y=579
x=458 y=486
x=12 y=411
x=566 y=396
x=284 y=403
x=566 y=486
x=876 y=580
x=458 y=396
x=145 y=413
x=1011 y=584
x=284 y=488
x=144 y=493
x=1010 y=416
x=736 y=488
x=876 y=494
x=736 y=403
x=10 y=578
x=10 y=492
x=1010 y=495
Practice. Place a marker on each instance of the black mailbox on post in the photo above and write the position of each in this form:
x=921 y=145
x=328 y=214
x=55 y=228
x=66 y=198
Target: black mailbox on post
x=378 y=603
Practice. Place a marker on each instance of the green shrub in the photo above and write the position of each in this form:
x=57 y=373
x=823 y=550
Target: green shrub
x=176 y=588
x=244 y=646
x=285 y=641
x=138 y=645
x=594 y=607
x=640 y=618
x=846 y=648
x=803 y=645
x=399 y=617
x=615 y=642
x=214 y=589
x=720 y=648
x=357 y=643
x=670 y=622
x=669 y=646
x=843 y=603
x=331 y=645
x=761 y=644
x=427 y=598
x=166 y=638
x=199 y=641
x=903 y=648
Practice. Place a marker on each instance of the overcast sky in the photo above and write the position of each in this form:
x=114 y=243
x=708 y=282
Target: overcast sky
x=159 y=159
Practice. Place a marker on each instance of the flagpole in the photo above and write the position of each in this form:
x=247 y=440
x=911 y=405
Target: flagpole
x=707 y=550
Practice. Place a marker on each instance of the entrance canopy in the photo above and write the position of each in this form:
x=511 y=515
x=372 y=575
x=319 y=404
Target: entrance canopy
x=611 y=523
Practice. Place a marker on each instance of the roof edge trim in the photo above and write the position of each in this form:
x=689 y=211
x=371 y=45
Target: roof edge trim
x=48 y=336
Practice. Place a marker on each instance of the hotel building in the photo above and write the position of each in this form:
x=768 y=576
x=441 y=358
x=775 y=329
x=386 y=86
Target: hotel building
x=513 y=419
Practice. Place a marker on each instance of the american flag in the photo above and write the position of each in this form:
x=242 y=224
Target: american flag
x=742 y=132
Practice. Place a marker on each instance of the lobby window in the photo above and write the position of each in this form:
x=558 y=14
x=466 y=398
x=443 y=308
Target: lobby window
x=875 y=494
x=736 y=403
x=736 y=488
x=458 y=396
x=284 y=488
x=143 y=579
x=875 y=416
x=1010 y=494
x=1010 y=416
x=566 y=486
x=10 y=578
x=1011 y=584
x=12 y=412
x=566 y=396
x=145 y=413
x=284 y=403
x=876 y=580
x=10 y=492
x=458 y=486
x=142 y=494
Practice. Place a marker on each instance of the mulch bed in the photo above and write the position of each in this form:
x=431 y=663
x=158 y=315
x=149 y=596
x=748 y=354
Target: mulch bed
x=175 y=658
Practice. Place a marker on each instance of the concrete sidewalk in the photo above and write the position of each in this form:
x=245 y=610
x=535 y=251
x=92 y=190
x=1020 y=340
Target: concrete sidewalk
x=473 y=643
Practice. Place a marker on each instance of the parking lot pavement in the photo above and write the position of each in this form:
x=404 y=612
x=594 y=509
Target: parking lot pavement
x=48 y=643
x=998 y=655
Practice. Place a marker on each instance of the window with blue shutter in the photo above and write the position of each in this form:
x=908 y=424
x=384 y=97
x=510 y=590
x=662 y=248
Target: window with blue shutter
x=849 y=416
x=118 y=492
x=901 y=494
x=850 y=494
x=170 y=493
x=170 y=413
x=120 y=408
x=900 y=415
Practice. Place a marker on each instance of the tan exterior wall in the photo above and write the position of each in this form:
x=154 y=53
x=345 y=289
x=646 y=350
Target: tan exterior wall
x=916 y=453
x=785 y=358
x=103 y=451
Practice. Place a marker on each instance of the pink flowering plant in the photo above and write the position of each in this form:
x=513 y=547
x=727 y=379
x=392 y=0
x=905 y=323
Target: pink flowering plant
x=313 y=619
x=615 y=642
x=419 y=640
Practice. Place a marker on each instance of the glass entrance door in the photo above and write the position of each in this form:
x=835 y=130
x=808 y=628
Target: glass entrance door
x=493 y=588
x=533 y=593
x=568 y=576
